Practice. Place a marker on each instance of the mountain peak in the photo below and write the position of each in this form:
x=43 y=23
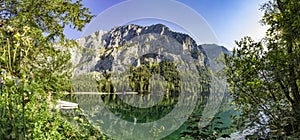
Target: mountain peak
x=114 y=46
x=118 y=35
x=158 y=26
x=135 y=27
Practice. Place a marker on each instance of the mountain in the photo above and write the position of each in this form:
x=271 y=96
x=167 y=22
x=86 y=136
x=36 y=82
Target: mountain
x=215 y=52
x=131 y=44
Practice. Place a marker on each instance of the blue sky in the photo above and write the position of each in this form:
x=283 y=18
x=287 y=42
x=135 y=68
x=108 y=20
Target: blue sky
x=229 y=20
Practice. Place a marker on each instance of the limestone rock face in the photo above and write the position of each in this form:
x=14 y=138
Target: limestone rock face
x=132 y=45
x=215 y=52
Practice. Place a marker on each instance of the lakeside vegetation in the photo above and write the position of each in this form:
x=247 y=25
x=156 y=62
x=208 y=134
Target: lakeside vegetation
x=34 y=62
x=264 y=76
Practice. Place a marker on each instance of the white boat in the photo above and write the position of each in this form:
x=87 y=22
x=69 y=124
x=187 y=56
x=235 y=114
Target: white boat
x=66 y=105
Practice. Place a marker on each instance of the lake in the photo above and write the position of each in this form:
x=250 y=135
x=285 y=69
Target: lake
x=156 y=116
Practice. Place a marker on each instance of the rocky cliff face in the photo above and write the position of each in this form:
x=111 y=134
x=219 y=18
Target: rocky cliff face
x=215 y=52
x=132 y=45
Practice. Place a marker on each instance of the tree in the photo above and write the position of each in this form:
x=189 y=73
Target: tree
x=34 y=62
x=264 y=76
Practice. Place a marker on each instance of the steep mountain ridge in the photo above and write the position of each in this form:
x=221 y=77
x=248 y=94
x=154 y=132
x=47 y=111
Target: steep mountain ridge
x=110 y=50
x=215 y=52
x=118 y=35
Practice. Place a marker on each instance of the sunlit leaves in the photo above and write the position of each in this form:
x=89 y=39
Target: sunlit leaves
x=264 y=80
x=34 y=62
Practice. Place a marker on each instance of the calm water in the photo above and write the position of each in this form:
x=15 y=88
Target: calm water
x=155 y=116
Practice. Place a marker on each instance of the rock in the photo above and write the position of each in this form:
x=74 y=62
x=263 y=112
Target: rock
x=213 y=52
x=122 y=46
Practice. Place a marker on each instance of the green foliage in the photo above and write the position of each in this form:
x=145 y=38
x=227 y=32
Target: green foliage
x=84 y=83
x=264 y=76
x=218 y=126
x=215 y=129
x=139 y=78
x=80 y=122
x=33 y=64
x=104 y=83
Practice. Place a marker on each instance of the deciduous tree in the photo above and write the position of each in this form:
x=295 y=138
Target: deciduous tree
x=34 y=61
x=265 y=76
